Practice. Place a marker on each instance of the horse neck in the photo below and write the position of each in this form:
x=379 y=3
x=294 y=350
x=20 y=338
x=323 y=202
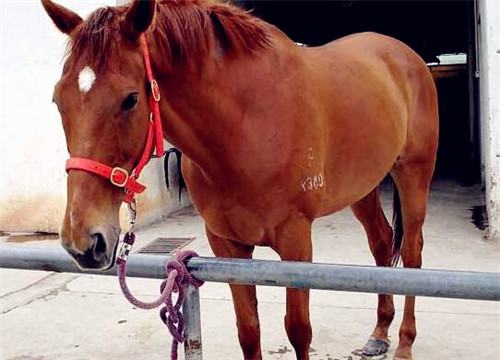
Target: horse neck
x=202 y=111
x=186 y=124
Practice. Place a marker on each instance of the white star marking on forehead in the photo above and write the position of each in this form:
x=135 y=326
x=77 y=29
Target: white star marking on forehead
x=86 y=79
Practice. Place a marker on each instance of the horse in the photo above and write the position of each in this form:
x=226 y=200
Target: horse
x=274 y=135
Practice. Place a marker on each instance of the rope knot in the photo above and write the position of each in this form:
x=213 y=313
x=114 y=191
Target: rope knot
x=187 y=279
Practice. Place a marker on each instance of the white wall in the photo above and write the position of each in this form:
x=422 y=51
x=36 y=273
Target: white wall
x=490 y=109
x=32 y=144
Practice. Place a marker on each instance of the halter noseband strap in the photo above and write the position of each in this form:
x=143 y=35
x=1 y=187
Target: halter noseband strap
x=153 y=148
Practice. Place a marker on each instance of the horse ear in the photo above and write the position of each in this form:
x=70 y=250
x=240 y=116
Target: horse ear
x=138 y=18
x=65 y=19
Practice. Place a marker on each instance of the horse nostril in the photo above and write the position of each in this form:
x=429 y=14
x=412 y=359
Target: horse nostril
x=99 y=249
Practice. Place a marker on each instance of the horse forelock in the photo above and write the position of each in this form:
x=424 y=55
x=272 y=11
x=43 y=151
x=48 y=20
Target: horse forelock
x=95 y=39
x=185 y=31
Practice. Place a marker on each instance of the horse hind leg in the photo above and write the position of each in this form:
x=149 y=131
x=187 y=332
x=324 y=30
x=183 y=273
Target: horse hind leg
x=380 y=239
x=413 y=180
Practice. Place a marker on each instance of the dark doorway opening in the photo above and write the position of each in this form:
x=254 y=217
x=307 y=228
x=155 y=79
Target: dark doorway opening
x=431 y=28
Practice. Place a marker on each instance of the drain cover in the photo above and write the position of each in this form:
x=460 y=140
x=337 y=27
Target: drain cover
x=164 y=245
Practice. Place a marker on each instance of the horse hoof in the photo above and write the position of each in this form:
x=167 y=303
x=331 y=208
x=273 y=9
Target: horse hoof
x=375 y=347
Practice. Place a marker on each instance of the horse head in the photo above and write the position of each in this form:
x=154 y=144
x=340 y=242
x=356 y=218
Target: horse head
x=102 y=97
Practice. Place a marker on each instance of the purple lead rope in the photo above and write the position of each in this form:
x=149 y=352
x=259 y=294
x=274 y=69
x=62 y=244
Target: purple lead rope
x=177 y=280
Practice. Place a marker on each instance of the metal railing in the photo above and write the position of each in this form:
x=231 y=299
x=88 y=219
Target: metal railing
x=368 y=279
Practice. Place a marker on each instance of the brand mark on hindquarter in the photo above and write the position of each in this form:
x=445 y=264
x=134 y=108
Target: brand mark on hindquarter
x=313 y=182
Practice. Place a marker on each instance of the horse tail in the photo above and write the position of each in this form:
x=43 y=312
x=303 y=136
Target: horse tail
x=397 y=227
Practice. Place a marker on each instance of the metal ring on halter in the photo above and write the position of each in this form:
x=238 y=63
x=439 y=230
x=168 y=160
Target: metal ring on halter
x=155 y=90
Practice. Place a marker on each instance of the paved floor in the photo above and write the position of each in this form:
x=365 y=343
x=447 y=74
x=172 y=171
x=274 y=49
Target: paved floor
x=67 y=316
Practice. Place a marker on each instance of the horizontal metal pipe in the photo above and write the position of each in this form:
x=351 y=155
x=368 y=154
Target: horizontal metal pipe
x=370 y=279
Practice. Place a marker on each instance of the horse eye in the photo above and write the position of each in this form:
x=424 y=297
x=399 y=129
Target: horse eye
x=130 y=101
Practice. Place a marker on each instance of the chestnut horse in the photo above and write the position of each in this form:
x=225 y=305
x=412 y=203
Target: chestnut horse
x=274 y=136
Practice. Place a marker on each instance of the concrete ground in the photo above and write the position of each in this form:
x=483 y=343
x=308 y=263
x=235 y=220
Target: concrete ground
x=67 y=316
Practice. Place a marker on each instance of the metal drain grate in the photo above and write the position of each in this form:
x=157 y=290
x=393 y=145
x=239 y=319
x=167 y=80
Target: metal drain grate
x=164 y=245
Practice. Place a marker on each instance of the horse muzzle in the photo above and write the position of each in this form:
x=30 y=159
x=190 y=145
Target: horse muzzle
x=100 y=251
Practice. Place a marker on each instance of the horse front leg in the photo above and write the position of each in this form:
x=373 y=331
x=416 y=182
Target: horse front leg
x=244 y=297
x=293 y=243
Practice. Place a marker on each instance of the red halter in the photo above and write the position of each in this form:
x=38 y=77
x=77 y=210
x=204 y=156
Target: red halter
x=154 y=141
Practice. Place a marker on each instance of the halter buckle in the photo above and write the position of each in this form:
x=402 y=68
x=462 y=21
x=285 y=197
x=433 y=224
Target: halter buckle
x=117 y=171
x=155 y=90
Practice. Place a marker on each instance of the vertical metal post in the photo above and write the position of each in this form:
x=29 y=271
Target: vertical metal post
x=192 y=323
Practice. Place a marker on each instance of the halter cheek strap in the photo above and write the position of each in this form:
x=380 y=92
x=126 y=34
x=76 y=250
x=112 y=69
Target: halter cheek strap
x=154 y=143
x=154 y=100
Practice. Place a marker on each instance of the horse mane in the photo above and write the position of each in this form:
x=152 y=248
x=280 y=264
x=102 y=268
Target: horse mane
x=186 y=31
